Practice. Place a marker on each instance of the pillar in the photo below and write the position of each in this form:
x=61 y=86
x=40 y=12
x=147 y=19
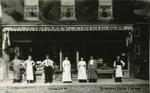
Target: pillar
x=77 y=58
x=60 y=59
x=5 y=55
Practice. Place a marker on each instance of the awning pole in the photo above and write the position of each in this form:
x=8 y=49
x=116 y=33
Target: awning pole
x=77 y=59
x=60 y=59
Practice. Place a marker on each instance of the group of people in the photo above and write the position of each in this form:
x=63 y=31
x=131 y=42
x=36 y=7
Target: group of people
x=86 y=72
x=18 y=67
x=83 y=76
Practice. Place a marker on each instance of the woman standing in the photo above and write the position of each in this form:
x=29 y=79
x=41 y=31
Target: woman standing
x=118 y=64
x=29 y=63
x=82 y=77
x=92 y=70
x=66 y=76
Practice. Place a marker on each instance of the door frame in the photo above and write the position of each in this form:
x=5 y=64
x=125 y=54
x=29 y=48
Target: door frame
x=77 y=55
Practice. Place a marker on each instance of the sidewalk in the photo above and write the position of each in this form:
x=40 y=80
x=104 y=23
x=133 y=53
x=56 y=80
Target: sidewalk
x=99 y=82
x=102 y=86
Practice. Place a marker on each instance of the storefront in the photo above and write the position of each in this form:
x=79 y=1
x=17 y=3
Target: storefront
x=103 y=42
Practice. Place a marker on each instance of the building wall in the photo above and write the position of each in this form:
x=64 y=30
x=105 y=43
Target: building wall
x=87 y=13
x=140 y=54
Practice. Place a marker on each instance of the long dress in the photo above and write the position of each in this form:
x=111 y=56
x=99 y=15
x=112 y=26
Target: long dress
x=16 y=64
x=66 y=76
x=29 y=69
x=82 y=70
x=92 y=70
x=118 y=65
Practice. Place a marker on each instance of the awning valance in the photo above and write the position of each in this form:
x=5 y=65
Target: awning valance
x=66 y=28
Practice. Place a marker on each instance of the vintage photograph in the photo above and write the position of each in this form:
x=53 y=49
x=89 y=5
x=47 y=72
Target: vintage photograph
x=74 y=46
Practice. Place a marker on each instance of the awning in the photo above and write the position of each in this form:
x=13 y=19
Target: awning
x=66 y=28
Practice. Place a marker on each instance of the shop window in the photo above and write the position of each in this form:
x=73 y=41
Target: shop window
x=105 y=10
x=137 y=50
x=137 y=32
x=31 y=10
x=68 y=10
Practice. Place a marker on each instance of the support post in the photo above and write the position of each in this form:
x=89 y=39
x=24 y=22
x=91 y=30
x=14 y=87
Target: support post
x=5 y=55
x=60 y=59
x=77 y=59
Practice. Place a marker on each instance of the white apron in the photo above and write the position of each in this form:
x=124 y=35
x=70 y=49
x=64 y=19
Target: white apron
x=29 y=70
x=118 y=72
x=82 y=70
x=66 y=77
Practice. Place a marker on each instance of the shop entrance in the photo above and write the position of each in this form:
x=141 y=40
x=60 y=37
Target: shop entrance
x=105 y=45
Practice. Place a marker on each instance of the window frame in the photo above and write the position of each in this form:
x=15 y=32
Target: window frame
x=109 y=9
x=137 y=49
x=28 y=9
x=137 y=32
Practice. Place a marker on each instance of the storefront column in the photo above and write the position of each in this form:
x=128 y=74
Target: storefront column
x=77 y=58
x=6 y=58
x=60 y=59
x=5 y=55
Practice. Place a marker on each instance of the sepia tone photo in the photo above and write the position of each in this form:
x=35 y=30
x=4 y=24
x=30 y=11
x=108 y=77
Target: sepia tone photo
x=74 y=46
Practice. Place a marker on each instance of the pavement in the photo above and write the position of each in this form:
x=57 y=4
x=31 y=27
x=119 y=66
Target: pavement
x=8 y=83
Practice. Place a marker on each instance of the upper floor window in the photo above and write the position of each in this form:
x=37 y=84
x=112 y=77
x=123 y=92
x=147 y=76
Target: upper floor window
x=31 y=10
x=137 y=49
x=68 y=10
x=137 y=32
x=105 y=12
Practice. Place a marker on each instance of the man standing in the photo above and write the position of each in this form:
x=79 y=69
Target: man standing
x=16 y=64
x=48 y=69
x=118 y=64
x=92 y=70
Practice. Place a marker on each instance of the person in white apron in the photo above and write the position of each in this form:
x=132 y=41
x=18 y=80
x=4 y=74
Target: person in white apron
x=118 y=64
x=29 y=63
x=82 y=76
x=66 y=76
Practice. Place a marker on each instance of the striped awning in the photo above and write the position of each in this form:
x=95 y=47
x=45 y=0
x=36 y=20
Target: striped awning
x=66 y=28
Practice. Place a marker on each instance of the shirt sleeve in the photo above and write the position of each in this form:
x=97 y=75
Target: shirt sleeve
x=123 y=63
x=52 y=63
x=24 y=63
x=114 y=63
x=33 y=63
